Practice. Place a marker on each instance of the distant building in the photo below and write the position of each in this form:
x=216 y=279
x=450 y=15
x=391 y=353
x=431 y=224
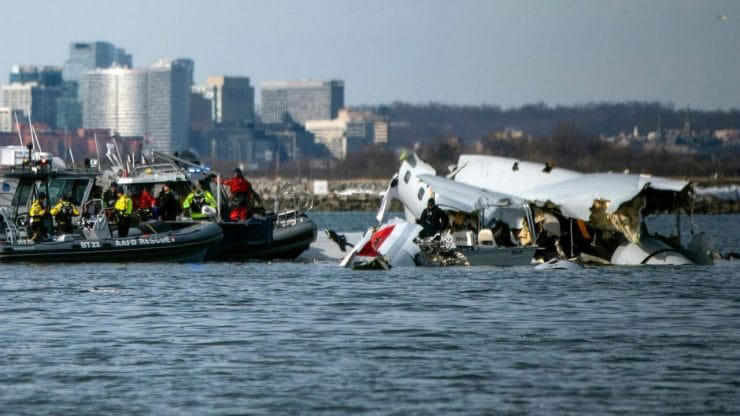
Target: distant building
x=153 y=102
x=245 y=145
x=49 y=76
x=350 y=132
x=301 y=100
x=332 y=134
x=6 y=119
x=232 y=99
x=81 y=143
x=86 y=56
x=200 y=109
x=40 y=100
x=83 y=57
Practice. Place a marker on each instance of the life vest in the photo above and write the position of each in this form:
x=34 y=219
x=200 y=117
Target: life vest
x=124 y=206
x=37 y=211
x=198 y=201
x=66 y=212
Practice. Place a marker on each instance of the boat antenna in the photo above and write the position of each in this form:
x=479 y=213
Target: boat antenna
x=115 y=146
x=97 y=150
x=34 y=138
x=30 y=129
x=18 y=129
x=71 y=156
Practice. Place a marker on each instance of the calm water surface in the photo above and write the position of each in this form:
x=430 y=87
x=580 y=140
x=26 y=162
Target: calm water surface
x=289 y=338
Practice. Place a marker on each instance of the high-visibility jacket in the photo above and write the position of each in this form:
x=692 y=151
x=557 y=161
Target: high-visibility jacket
x=64 y=211
x=37 y=211
x=197 y=200
x=124 y=205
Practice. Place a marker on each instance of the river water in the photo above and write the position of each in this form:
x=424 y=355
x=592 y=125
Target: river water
x=291 y=338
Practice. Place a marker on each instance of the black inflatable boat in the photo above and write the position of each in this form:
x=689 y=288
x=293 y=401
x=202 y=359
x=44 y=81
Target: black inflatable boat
x=185 y=244
x=259 y=238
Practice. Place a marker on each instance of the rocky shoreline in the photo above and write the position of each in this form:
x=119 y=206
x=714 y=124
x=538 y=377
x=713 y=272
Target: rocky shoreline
x=366 y=194
x=341 y=195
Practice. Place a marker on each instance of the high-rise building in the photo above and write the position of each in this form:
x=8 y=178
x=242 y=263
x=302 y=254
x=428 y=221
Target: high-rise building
x=86 y=56
x=83 y=57
x=301 y=100
x=168 y=102
x=6 y=119
x=232 y=99
x=200 y=109
x=153 y=102
x=40 y=100
x=50 y=76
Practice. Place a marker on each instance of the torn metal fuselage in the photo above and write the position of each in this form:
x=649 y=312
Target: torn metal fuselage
x=487 y=228
x=597 y=217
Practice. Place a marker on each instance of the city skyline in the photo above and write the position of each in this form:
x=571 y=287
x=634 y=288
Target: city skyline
x=497 y=53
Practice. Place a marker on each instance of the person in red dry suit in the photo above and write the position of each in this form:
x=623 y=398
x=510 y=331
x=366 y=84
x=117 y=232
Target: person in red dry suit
x=241 y=196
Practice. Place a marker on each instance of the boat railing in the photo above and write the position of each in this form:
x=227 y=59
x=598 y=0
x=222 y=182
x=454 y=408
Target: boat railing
x=293 y=205
x=12 y=233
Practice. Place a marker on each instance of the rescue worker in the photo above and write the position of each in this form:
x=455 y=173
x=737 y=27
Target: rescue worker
x=196 y=200
x=169 y=205
x=63 y=212
x=144 y=204
x=241 y=196
x=433 y=219
x=37 y=213
x=110 y=196
x=124 y=207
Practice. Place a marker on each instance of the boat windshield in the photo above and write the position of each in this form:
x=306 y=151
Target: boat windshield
x=23 y=192
x=74 y=188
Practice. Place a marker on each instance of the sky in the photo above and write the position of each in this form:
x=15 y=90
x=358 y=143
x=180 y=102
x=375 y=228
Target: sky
x=505 y=53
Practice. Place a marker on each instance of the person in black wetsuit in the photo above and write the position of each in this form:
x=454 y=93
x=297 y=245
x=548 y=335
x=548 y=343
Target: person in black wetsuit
x=169 y=204
x=433 y=219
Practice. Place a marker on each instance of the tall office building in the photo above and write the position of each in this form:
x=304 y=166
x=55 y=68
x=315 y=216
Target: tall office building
x=35 y=89
x=168 y=102
x=50 y=76
x=232 y=99
x=301 y=100
x=40 y=100
x=6 y=120
x=153 y=102
x=83 y=57
x=86 y=56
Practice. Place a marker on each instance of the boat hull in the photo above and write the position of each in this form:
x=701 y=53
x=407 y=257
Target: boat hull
x=187 y=244
x=257 y=239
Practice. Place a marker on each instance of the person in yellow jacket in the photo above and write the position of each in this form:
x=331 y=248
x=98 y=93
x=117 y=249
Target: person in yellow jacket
x=37 y=213
x=196 y=200
x=63 y=212
x=124 y=208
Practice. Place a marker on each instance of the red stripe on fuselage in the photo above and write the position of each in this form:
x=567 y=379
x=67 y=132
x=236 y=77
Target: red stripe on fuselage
x=370 y=249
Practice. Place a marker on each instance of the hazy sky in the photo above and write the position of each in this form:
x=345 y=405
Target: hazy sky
x=504 y=53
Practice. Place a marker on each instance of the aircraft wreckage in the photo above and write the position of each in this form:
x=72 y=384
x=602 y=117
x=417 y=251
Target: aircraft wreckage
x=505 y=212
